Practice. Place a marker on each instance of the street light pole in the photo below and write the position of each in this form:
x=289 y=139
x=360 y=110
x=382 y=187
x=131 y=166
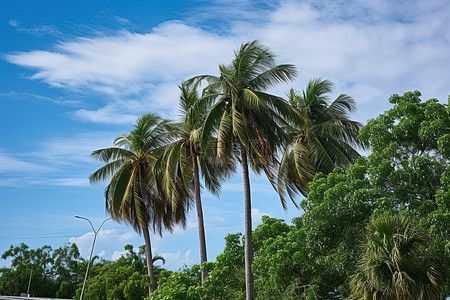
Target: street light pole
x=92 y=250
x=29 y=281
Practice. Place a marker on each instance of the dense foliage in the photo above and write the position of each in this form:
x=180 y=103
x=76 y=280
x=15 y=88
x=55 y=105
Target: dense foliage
x=406 y=174
x=395 y=262
x=54 y=273
x=380 y=228
x=125 y=278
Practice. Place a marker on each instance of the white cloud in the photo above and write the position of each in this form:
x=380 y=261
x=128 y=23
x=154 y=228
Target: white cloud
x=81 y=182
x=127 y=62
x=133 y=71
x=176 y=261
x=366 y=49
x=36 y=30
x=106 y=114
x=117 y=254
x=370 y=50
x=256 y=215
x=106 y=239
x=13 y=23
x=368 y=58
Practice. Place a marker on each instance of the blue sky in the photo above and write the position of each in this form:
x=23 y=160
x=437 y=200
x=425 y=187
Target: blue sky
x=76 y=74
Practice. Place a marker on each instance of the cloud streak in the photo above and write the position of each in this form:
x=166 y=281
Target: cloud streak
x=11 y=164
x=36 y=30
x=367 y=49
x=48 y=162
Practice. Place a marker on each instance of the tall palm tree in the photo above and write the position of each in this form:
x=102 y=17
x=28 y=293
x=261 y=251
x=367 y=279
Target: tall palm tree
x=134 y=194
x=247 y=121
x=184 y=158
x=322 y=137
x=395 y=263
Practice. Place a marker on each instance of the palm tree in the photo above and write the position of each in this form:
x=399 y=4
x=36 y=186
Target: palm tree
x=246 y=120
x=322 y=137
x=395 y=263
x=184 y=158
x=134 y=194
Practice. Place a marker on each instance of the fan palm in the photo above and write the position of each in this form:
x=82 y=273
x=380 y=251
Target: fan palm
x=322 y=137
x=246 y=120
x=184 y=159
x=134 y=194
x=395 y=263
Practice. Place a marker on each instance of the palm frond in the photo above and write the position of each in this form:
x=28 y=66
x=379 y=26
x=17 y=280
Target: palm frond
x=107 y=170
x=211 y=121
x=111 y=153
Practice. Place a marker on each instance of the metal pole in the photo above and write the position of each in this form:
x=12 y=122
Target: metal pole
x=29 y=281
x=92 y=250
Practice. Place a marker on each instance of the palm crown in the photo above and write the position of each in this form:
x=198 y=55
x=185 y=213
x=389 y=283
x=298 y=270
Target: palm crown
x=247 y=121
x=395 y=263
x=134 y=194
x=321 y=136
x=244 y=114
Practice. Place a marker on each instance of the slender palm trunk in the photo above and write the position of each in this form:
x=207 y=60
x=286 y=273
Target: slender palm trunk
x=201 y=226
x=148 y=245
x=148 y=252
x=248 y=247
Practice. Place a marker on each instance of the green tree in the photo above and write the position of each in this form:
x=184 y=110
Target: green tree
x=53 y=273
x=184 y=158
x=279 y=264
x=247 y=121
x=126 y=278
x=227 y=277
x=395 y=263
x=322 y=137
x=66 y=266
x=134 y=194
x=315 y=258
x=407 y=171
x=180 y=285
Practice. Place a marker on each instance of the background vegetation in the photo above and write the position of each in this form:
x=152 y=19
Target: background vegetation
x=380 y=227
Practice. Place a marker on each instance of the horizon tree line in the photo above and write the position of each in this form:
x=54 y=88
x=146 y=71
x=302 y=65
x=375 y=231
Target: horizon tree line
x=154 y=171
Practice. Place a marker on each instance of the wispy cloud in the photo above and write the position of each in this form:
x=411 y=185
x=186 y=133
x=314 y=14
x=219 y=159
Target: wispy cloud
x=370 y=50
x=73 y=149
x=35 y=30
x=12 y=164
x=127 y=63
x=128 y=67
x=48 y=161
x=35 y=97
x=80 y=182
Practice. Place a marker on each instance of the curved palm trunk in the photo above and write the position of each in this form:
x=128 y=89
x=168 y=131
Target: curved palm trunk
x=148 y=252
x=201 y=226
x=249 y=285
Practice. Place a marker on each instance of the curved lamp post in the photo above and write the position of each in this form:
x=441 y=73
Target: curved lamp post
x=92 y=250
